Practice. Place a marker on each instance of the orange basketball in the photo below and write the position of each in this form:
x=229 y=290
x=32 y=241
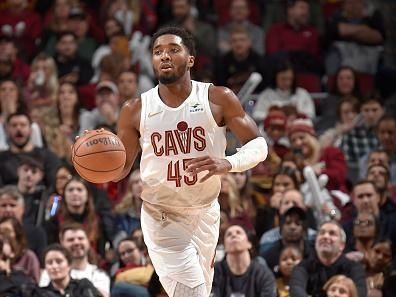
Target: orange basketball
x=98 y=156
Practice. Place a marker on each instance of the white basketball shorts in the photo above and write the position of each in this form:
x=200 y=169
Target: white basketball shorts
x=182 y=245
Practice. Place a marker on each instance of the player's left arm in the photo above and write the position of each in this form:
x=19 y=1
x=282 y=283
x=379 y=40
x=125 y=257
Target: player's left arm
x=227 y=109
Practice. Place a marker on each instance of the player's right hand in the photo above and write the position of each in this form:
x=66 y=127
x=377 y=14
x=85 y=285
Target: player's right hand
x=215 y=166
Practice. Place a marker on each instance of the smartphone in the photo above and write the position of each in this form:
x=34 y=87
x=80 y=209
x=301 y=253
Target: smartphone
x=54 y=206
x=298 y=153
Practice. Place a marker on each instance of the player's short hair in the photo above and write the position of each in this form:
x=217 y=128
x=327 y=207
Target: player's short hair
x=186 y=37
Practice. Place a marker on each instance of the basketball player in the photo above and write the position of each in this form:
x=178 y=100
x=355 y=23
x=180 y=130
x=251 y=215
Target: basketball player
x=180 y=127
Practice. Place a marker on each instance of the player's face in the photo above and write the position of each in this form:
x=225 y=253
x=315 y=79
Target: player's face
x=170 y=58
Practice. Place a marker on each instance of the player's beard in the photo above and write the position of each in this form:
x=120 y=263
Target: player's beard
x=171 y=77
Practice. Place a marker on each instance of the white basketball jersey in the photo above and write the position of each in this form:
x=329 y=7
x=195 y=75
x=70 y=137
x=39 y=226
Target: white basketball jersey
x=169 y=138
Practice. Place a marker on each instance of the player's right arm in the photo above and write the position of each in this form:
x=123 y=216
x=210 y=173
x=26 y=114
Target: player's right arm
x=128 y=132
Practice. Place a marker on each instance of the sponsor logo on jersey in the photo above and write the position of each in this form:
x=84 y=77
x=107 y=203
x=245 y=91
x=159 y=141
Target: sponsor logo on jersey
x=196 y=107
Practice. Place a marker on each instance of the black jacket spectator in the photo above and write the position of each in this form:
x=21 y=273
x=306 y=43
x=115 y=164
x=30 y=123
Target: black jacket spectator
x=75 y=65
x=13 y=283
x=76 y=288
x=373 y=20
x=9 y=162
x=309 y=277
x=36 y=239
x=257 y=281
x=71 y=67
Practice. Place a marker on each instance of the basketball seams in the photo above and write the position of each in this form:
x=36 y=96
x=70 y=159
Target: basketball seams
x=83 y=139
x=99 y=152
x=81 y=158
x=93 y=170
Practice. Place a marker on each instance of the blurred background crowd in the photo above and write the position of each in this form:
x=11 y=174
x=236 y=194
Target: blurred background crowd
x=317 y=218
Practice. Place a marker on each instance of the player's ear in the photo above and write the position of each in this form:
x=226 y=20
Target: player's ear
x=190 y=62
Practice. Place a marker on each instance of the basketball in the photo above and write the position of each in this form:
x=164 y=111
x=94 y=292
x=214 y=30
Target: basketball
x=98 y=156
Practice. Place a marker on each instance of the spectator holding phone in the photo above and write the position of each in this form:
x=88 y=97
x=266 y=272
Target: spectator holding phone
x=307 y=151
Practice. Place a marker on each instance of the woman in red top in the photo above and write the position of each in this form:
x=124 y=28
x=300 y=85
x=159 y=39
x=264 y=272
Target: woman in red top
x=306 y=150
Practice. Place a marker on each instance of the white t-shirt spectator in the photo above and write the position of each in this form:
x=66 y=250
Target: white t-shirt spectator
x=269 y=97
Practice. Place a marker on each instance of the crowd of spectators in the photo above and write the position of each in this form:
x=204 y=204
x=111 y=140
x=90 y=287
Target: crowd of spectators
x=317 y=218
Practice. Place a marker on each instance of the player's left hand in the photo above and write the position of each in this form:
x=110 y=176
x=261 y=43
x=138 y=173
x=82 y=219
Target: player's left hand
x=214 y=165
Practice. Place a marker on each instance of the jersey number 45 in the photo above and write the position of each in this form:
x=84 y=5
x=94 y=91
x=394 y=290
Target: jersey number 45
x=175 y=175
